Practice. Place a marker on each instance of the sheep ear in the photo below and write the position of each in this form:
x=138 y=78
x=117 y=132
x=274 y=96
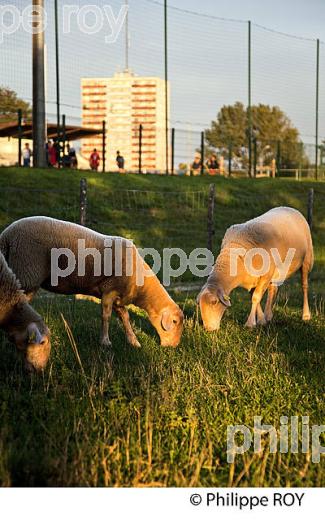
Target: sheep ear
x=224 y=298
x=166 y=321
x=34 y=337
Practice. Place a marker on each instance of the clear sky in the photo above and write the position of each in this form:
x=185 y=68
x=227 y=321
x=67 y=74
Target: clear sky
x=207 y=58
x=301 y=17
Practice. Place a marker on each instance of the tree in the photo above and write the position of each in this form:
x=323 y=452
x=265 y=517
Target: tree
x=10 y=103
x=273 y=135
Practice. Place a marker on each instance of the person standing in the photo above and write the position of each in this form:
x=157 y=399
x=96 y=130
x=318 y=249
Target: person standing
x=73 y=157
x=196 y=165
x=27 y=155
x=94 y=160
x=51 y=155
x=120 y=162
x=213 y=165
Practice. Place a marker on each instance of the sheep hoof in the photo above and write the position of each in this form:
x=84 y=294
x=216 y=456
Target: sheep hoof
x=135 y=344
x=306 y=317
x=262 y=322
x=250 y=325
x=106 y=342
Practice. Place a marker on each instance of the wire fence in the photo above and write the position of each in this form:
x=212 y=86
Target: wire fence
x=211 y=62
x=135 y=214
x=160 y=219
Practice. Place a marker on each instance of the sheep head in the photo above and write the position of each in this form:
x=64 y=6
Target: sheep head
x=28 y=332
x=169 y=325
x=213 y=304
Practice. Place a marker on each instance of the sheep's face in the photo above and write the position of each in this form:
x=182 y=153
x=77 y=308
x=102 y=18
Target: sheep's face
x=213 y=304
x=34 y=344
x=169 y=325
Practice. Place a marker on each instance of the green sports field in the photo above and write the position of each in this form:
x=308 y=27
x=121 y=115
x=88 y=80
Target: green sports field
x=156 y=416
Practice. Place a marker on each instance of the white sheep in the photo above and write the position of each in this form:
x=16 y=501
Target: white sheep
x=27 y=245
x=21 y=322
x=259 y=255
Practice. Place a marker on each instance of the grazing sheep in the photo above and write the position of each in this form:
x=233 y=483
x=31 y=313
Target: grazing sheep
x=28 y=245
x=22 y=324
x=283 y=237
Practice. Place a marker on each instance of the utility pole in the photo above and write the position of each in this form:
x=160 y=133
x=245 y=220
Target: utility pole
x=166 y=87
x=39 y=116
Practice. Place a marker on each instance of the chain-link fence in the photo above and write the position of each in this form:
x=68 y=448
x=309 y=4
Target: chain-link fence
x=209 y=62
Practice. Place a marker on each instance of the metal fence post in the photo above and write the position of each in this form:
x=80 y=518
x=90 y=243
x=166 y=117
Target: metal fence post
x=310 y=209
x=173 y=151
x=211 y=206
x=230 y=159
x=255 y=157
x=140 y=148
x=20 y=119
x=83 y=202
x=104 y=146
x=166 y=84
x=202 y=152
x=64 y=135
x=278 y=158
x=57 y=77
x=249 y=115
x=317 y=108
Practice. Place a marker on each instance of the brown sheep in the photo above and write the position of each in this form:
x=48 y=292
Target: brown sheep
x=28 y=246
x=21 y=322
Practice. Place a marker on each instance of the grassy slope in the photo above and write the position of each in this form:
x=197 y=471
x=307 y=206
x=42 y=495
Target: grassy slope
x=157 y=416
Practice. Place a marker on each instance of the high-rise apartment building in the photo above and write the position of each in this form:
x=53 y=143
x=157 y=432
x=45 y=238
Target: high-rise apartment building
x=125 y=102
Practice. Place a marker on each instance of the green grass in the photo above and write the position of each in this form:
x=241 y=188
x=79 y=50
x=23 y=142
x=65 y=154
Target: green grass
x=155 y=416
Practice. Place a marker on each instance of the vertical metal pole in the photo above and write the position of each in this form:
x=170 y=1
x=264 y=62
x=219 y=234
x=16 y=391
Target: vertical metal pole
x=255 y=157
x=83 y=202
x=57 y=66
x=166 y=85
x=104 y=146
x=140 y=149
x=249 y=115
x=317 y=109
x=20 y=118
x=301 y=154
x=310 y=208
x=230 y=160
x=278 y=158
x=202 y=152
x=39 y=122
x=64 y=137
x=211 y=204
x=173 y=151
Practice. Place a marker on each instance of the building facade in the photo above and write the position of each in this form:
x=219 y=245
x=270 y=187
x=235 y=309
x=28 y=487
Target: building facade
x=125 y=102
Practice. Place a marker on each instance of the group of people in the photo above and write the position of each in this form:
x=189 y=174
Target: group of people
x=53 y=155
x=70 y=160
x=212 y=165
x=54 y=158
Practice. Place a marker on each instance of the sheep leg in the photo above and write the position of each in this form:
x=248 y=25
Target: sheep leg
x=259 y=312
x=260 y=315
x=272 y=292
x=306 y=316
x=256 y=301
x=124 y=316
x=107 y=307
